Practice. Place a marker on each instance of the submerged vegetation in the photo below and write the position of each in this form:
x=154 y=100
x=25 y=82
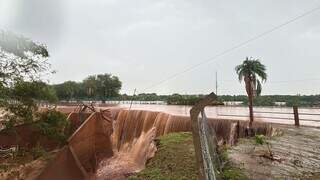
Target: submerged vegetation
x=175 y=159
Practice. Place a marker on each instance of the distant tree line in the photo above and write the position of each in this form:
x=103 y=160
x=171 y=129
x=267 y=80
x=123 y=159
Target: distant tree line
x=269 y=100
x=107 y=87
x=174 y=99
x=94 y=87
x=266 y=100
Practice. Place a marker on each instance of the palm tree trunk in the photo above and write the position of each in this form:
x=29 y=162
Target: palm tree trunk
x=250 y=110
x=249 y=90
x=104 y=97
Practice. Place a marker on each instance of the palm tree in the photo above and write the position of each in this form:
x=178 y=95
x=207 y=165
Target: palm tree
x=253 y=73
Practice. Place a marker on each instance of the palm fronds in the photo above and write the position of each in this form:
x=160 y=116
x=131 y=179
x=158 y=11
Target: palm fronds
x=255 y=71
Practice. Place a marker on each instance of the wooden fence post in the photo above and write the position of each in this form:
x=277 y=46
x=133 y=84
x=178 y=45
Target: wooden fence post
x=296 y=116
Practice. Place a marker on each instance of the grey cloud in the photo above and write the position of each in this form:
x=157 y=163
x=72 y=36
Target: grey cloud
x=146 y=41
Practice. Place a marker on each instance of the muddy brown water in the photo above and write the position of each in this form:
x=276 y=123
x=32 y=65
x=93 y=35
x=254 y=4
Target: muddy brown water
x=121 y=145
x=231 y=112
x=239 y=113
x=101 y=149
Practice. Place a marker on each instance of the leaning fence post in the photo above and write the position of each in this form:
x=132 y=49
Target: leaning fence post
x=204 y=140
x=296 y=116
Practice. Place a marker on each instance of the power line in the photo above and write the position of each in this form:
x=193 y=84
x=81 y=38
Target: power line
x=290 y=81
x=276 y=82
x=233 y=48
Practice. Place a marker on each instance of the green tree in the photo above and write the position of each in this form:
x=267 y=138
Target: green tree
x=107 y=86
x=175 y=99
x=253 y=73
x=21 y=100
x=90 y=84
x=21 y=58
x=70 y=89
x=22 y=64
x=102 y=86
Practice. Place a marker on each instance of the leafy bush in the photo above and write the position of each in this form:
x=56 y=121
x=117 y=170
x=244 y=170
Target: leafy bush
x=52 y=124
x=260 y=139
x=20 y=101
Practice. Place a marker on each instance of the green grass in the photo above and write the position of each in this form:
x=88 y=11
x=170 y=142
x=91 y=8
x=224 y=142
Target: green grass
x=174 y=138
x=175 y=160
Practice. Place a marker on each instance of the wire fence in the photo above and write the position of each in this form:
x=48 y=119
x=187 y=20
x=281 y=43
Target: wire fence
x=294 y=116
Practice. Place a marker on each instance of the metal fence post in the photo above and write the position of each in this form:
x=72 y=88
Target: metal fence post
x=296 y=116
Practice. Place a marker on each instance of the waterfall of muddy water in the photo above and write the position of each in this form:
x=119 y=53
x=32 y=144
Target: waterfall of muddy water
x=113 y=143
x=135 y=130
x=133 y=142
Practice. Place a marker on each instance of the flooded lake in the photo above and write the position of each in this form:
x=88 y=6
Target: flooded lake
x=283 y=115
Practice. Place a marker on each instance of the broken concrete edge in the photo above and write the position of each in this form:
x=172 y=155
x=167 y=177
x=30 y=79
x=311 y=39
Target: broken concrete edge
x=80 y=127
x=67 y=155
x=198 y=140
x=199 y=106
x=78 y=163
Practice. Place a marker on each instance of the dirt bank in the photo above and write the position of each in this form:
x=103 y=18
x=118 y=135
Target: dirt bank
x=297 y=153
x=24 y=167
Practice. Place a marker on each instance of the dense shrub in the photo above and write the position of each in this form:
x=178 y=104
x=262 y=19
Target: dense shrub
x=52 y=124
x=20 y=101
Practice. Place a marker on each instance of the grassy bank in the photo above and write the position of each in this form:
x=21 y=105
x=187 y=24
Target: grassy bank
x=175 y=159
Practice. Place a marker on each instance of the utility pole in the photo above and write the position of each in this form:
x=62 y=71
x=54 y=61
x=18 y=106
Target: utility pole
x=217 y=83
x=134 y=93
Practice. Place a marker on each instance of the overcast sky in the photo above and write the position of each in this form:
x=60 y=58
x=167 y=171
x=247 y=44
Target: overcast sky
x=146 y=41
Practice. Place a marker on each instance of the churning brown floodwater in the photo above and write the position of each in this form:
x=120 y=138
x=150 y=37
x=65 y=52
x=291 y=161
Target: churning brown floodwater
x=134 y=133
x=118 y=143
x=133 y=140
